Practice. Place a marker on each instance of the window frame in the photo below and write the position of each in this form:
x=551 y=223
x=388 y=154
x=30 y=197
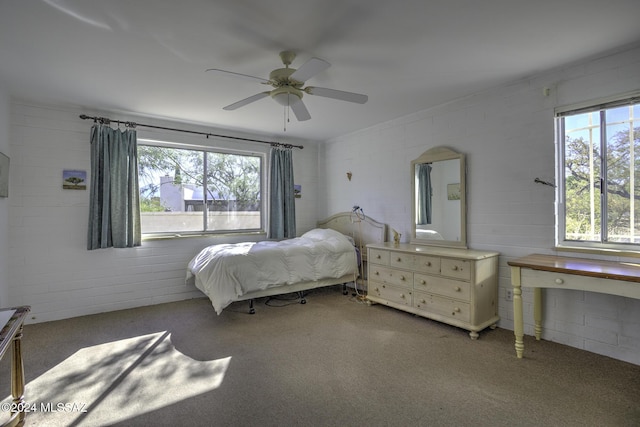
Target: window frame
x=602 y=104
x=261 y=154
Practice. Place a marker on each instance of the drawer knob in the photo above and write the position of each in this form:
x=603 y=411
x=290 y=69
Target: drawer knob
x=456 y=310
x=423 y=301
x=377 y=273
x=457 y=289
x=377 y=290
x=423 y=282
x=378 y=256
x=428 y=263
x=559 y=281
x=402 y=296
x=454 y=268
x=399 y=259
x=384 y=286
x=402 y=278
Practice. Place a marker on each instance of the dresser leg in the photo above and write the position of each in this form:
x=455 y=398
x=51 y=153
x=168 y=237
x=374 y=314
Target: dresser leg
x=474 y=335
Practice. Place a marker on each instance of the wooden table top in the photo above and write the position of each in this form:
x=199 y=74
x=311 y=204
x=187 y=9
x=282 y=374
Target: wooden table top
x=11 y=328
x=629 y=272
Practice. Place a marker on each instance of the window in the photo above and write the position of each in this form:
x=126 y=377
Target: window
x=186 y=190
x=599 y=191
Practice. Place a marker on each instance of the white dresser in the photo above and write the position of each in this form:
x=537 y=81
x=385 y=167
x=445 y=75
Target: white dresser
x=454 y=286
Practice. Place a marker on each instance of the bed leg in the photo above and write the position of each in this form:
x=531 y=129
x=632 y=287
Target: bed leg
x=301 y=296
x=251 y=309
x=344 y=289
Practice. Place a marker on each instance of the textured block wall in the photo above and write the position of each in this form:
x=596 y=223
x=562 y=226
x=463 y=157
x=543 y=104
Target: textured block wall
x=507 y=135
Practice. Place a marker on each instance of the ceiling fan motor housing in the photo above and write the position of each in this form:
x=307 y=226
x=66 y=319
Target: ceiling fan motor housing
x=281 y=77
x=284 y=86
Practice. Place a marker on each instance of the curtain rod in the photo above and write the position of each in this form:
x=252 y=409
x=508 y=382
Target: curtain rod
x=106 y=121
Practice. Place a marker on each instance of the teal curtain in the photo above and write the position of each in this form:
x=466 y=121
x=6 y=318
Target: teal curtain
x=282 y=208
x=424 y=194
x=114 y=209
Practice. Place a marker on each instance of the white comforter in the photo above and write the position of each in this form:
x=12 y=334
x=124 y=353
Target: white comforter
x=228 y=271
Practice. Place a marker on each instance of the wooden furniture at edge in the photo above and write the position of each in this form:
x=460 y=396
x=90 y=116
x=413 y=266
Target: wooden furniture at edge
x=558 y=272
x=11 y=335
x=450 y=285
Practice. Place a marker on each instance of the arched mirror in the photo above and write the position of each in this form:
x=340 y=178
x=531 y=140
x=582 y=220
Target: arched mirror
x=438 y=194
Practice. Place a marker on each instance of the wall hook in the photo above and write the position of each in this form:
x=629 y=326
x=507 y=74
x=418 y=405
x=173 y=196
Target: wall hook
x=539 y=181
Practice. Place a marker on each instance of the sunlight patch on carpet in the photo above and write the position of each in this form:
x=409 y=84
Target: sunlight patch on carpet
x=135 y=375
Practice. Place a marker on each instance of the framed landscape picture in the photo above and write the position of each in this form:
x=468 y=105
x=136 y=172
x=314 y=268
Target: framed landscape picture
x=4 y=175
x=74 y=180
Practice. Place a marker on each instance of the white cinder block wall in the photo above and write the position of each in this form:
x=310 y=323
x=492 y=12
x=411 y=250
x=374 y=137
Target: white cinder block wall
x=506 y=133
x=508 y=136
x=4 y=202
x=46 y=258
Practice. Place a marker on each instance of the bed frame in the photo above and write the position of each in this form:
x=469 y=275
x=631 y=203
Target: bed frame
x=363 y=232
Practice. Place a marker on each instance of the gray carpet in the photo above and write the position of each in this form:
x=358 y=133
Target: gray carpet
x=331 y=362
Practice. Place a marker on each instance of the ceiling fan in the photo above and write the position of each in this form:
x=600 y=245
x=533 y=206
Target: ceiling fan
x=288 y=86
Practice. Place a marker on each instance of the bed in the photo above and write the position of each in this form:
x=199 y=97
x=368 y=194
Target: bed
x=324 y=256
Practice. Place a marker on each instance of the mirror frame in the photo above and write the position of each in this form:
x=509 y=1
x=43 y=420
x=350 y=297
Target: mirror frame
x=435 y=155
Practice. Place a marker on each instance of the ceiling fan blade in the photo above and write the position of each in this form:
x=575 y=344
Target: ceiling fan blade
x=300 y=110
x=246 y=101
x=337 y=94
x=242 y=76
x=309 y=69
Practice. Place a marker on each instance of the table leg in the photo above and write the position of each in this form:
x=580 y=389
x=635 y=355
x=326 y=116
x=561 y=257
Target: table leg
x=537 y=312
x=17 y=375
x=518 y=327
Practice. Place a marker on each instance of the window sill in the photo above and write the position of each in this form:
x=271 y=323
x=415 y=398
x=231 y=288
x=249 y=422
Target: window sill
x=172 y=236
x=600 y=251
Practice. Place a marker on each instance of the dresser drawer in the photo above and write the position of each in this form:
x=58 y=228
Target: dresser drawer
x=390 y=293
x=378 y=256
x=401 y=260
x=443 y=306
x=425 y=264
x=441 y=286
x=456 y=268
x=391 y=276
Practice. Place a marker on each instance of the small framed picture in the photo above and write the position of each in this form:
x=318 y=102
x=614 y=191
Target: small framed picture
x=74 y=180
x=297 y=191
x=453 y=191
x=4 y=175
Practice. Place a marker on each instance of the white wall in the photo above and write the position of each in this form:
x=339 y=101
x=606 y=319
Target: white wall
x=4 y=202
x=506 y=133
x=508 y=137
x=48 y=264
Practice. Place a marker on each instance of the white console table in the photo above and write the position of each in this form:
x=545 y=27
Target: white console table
x=549 y=271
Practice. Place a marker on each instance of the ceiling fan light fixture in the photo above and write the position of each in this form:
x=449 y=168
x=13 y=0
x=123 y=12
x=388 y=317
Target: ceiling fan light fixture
x=286 y=99
x=286 y=96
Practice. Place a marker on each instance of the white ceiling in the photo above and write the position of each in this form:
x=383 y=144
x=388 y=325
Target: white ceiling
x=149 y=56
